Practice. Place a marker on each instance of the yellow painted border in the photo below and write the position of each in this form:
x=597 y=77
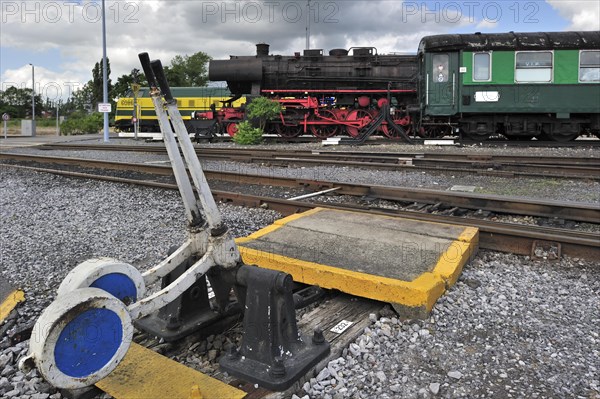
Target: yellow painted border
x=421 y=292
x=277 y=225
x=146 y=374
x=10 y=303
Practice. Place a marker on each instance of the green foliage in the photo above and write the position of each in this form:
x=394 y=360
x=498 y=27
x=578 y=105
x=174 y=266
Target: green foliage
x=124 y=82
x=247 y=134
x=263 y=109
x=98 y=82
x=79 y=123
x=17 y=102
x=188 y=70
x=82 y=99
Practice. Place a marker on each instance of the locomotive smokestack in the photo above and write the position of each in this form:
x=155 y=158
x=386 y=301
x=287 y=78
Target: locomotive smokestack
x=262 y=50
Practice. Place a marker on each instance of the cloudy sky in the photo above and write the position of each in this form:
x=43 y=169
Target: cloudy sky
x=63 y=38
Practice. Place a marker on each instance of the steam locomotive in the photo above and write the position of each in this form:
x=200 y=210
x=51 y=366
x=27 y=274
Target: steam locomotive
x=520 y=85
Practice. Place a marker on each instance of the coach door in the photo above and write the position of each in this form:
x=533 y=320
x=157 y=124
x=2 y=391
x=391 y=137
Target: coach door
x=442 y=83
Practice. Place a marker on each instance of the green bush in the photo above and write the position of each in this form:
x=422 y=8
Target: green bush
x=83 y=124
x=263 y=109
x=247 y=134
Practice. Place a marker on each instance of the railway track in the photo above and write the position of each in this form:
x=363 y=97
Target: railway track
x=504 y=237
x=493 y=203
x=491 y=165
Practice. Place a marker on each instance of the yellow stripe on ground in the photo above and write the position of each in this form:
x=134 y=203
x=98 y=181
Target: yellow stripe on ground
x=144 y=374
x=10 y=303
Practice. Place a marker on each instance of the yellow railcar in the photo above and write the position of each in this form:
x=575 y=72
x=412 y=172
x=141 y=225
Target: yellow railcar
x=189 y=101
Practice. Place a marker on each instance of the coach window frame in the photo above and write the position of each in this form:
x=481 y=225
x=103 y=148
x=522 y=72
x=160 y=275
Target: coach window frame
x=594 y=66
x=489 y=65
x=534 y=67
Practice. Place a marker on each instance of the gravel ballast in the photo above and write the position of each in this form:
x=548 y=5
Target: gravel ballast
x=510 y=327
x=546 y=188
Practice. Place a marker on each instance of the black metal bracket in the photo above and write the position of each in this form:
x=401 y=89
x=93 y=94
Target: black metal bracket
x=193 y=311
x=273 y=353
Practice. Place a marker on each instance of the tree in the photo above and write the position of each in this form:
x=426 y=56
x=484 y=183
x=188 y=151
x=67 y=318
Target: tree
x=82 y=99
x=17 y=102
x=263 y=109
x=98 y=82
x=188 y=70
x=124 y=82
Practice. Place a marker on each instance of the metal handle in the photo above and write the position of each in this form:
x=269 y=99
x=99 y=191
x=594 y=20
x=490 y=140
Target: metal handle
x=159 y=73
x=453 y=89
x=145 y=61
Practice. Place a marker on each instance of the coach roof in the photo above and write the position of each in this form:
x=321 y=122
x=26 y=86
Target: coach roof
x=511 y=41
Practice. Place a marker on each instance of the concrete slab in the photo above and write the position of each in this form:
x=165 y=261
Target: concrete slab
x=466 y=189
x=9 y=298
x=405 y=262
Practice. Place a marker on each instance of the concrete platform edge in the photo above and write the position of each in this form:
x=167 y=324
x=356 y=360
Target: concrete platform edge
x=416 y=297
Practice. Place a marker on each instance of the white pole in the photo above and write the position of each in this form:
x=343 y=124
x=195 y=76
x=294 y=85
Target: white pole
x=104 y=72
x=308 y=25
x=5 y=130
x=57 y=126
x=32 y=94
x=135 y=113
x=32 y=99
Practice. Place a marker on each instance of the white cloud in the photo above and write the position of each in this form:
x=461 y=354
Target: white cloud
x=48 y=84
x=487 y=24
x=583 y=14
x=165 y=28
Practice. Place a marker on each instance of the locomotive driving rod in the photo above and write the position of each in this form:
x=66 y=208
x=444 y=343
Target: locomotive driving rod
x=87 y=330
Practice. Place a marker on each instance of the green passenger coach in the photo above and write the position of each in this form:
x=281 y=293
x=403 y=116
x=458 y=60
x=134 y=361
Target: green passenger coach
x=521 y=85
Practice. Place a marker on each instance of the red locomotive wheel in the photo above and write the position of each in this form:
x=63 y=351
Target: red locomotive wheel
x=390 y=132
x=231 y=129
x=326 y=130
x=357 y=115
x=293 y=126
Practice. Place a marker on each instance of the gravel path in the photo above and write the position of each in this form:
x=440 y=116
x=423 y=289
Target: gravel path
x=510 y=327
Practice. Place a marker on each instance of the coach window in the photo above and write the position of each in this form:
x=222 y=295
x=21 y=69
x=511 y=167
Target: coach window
x=589 y=66
x=482 y=67
x=440 y=67
x=533 y=67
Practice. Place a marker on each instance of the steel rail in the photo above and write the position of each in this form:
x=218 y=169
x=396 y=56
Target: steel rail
x=392 y=156
x=494 y=165
x=497 y=236
x=581 y=212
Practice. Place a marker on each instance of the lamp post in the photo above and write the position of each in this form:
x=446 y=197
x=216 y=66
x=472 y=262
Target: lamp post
x=104 y=72
x=58 y=103
x=135 y=87
x=308 y=25
x=32 y=99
